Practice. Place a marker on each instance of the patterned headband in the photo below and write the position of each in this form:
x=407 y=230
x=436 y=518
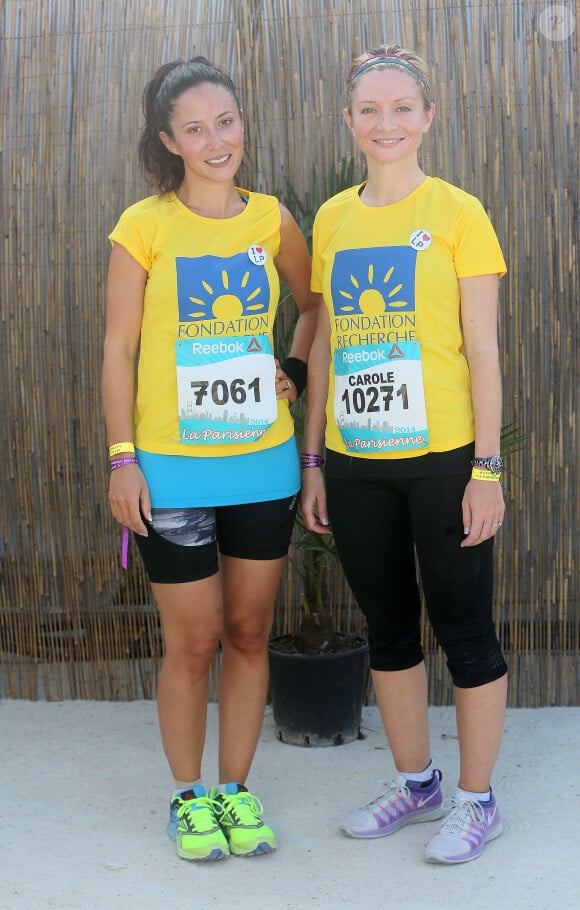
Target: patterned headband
x=392 y=60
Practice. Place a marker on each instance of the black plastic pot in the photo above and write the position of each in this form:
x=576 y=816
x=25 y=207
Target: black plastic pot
x=317 y=699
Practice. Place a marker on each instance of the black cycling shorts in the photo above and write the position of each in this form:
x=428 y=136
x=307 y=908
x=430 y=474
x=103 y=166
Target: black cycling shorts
x=183 y=544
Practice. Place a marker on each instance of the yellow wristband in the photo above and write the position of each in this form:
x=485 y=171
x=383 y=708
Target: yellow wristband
x=481 y=474
x=120 y=447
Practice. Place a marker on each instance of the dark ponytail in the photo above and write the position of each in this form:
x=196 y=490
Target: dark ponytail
x=169 y=82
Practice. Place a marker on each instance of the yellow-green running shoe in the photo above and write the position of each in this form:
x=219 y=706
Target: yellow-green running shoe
x=193 y=825
x=241 y=821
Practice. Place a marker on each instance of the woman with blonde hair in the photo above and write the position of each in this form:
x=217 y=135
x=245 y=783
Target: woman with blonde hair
x=405 y=395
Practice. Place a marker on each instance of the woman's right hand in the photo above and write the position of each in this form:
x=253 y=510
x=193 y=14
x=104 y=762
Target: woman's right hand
x=129 y=497
x=313 y=501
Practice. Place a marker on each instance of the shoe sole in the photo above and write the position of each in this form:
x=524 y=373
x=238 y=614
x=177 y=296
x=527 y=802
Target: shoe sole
x=262 y=848
x=215 y=854
x=441 y=861
x=210 y=857
x=431 y=816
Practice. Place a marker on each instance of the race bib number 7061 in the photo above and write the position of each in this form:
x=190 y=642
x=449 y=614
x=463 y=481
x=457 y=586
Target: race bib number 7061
x=225 y=389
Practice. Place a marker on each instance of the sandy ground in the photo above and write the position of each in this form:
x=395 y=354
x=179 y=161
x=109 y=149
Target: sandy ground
x=83 y=807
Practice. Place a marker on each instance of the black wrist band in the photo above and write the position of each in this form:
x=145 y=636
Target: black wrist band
x=295 y=369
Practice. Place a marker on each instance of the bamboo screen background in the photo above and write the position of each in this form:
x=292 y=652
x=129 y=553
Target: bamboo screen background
x=73 y=625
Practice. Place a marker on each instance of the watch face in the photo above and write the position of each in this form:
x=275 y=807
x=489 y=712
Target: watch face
x=496 y=464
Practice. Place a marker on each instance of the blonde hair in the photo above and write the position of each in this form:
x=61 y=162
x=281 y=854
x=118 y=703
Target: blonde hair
x=392 y=56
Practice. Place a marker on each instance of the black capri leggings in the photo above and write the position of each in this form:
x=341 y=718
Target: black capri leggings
x=378 y=525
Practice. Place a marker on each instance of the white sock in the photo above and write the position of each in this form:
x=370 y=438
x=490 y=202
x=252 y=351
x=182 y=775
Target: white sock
x=419 y=777
x=463 y=795
x=180 y=785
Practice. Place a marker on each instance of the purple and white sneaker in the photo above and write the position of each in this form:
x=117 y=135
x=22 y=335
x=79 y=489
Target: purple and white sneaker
x=468 y=826
x=403 y=803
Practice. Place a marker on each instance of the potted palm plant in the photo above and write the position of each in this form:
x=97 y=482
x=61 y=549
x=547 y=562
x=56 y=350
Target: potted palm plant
x=318 y=675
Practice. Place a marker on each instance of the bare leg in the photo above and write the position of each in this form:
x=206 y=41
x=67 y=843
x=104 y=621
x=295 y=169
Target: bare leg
x=402 y=701
x=191 y=616
x=480 y=720
x=249 y=589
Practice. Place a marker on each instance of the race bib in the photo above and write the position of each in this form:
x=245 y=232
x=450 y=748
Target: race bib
x=379 y=399
x=225 y=389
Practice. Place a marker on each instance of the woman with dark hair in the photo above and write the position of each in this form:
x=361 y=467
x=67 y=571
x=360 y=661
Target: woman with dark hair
x=204 y=467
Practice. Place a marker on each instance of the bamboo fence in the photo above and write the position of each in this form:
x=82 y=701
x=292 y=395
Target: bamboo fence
x=72 y=623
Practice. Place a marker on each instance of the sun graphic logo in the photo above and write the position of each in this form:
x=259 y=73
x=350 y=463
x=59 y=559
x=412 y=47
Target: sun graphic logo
x=223 y=289
x=373 y=281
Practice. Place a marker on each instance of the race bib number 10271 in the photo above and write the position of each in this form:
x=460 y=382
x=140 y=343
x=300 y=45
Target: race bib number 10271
x=225 y=389
x=379 y=399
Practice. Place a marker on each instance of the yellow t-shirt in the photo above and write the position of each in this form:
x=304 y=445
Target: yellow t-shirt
x=208 y=280
x=389 y=277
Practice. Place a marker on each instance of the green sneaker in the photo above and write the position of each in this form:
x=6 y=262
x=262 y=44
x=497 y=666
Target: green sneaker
x=193 y=825
x=241 y=821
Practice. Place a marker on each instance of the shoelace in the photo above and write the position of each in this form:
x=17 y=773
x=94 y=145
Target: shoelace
x=244 y=806
x=463 y=813
x=395 y=788
x=189 y=807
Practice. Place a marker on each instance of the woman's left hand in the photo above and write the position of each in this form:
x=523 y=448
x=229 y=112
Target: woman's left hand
x=483 y=511
x=285 y=388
